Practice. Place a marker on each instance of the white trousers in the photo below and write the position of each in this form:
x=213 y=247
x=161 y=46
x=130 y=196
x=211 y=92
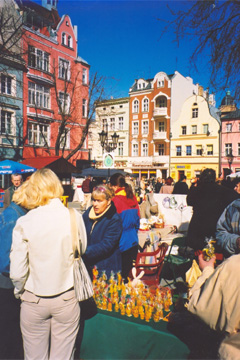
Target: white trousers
x=49 y=326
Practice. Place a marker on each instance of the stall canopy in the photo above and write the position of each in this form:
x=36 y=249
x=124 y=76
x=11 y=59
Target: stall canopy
x=100 y=172
x=13 y=167
x=56 y=163
x=234 y=175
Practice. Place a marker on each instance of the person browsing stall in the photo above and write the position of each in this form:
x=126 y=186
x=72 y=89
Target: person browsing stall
x=128 y=208
x=41 y=269
x=104 y=229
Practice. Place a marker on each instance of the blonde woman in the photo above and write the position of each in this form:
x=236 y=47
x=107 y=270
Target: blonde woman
x=41 y=270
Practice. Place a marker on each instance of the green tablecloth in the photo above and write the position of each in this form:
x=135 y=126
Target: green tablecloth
x=112 y=336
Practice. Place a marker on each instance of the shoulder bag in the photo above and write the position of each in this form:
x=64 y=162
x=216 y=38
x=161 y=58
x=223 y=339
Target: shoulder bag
x=82 y=282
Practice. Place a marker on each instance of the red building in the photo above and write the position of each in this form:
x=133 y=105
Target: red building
x=55 y=88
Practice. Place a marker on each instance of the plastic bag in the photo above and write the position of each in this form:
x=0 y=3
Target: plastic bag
x=193 y=274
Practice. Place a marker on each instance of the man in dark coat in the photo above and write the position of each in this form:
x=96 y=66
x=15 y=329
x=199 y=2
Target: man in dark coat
x=17 y=181
x=181 y=186
x=208 y=200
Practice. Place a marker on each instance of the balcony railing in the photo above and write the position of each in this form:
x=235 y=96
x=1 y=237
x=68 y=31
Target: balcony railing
x=160 y=135
x=160 y=111
x=161 y=159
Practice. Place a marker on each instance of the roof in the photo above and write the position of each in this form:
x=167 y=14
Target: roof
x=51 y=16
x=227 y=100
x=215 y=113
x=232 y=115
x=56 y=163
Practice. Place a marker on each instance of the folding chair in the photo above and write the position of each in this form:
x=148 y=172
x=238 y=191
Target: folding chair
x=177 y=264
x=151 y=263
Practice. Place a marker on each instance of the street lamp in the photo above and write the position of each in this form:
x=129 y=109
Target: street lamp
x=103 y=138
x=109 y=147
x=230 y=158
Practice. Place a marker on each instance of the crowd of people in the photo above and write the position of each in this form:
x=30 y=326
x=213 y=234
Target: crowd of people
x=38 y=303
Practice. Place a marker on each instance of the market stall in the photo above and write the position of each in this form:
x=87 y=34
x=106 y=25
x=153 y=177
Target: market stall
x=111 y=336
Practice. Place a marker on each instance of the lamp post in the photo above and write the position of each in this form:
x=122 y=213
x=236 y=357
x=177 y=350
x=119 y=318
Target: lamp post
x=230 y=158
x=107 y=146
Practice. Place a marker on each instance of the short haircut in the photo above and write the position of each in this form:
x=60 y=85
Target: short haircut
x=103 y=189
x=14 y=175
x=39 y=189
x=208 y=176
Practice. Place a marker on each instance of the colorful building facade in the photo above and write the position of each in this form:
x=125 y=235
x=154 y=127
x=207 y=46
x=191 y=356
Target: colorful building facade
x=55 y=88
x=195 y=142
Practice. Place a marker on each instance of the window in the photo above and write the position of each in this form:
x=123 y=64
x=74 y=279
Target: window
x=135 y=150
x=238 y=126
x=69 y=43
x=188 y=150
x=84 y=76
x=6 y=84
x=38 y=59
x=139 y=86
x=104 y=124
x=64 y=100
x=65 y=140
x=160 y=83
x=145 y=127
x=228 y=149
x=38 y=134
x=178 y=150
x=135 y=106
x=64 y=69
x=112 y=123
x=238 y=149
x=145 y=105
x=205 y=129
x=84 y=107
x=209 y=149
x=135 y=128
x=120 y=148
x=120 y=123
x=38 y=95
x=184 y=130
x=160 y=149
x=228 y=127
x=63 y=39
x=161 y=126
x=145 y=149
x=195 y=113
x=199 y=150
x=194 y=129
x=6 y=122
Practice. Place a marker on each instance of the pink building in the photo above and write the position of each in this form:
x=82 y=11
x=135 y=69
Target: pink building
x=230 y=147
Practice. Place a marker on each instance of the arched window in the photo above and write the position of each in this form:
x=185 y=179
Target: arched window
x=135 y=106
x=69 y=41
x=63 y=39
x=161 y=102
x=145 y=105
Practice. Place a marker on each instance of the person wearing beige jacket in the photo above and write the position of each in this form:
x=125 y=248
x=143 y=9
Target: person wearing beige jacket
x=215 y=299
x=41 y=270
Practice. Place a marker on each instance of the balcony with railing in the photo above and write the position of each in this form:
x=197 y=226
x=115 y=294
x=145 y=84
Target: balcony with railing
x=159 y=135
x=160 y=159
x=160 y=111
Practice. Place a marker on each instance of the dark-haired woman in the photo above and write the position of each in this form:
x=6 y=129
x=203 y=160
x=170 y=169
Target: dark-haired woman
x=127 y=207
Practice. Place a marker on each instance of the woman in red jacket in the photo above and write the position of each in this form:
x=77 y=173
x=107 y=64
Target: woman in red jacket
x=127 y=207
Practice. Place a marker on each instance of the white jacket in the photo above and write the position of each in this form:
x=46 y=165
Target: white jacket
x=41 y=258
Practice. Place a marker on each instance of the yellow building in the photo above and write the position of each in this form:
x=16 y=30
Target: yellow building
x=195 y=140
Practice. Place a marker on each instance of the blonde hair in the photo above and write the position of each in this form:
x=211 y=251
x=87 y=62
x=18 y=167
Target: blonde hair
x=103 y=189
x=39 y=189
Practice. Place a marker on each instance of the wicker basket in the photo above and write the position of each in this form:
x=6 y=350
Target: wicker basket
x=159 y=225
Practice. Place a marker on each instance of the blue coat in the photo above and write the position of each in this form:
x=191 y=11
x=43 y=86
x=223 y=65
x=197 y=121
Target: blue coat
x=228 y=229
x=8 y=220
x=103 y=243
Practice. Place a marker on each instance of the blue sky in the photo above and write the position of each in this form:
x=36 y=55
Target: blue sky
x=121 y=40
